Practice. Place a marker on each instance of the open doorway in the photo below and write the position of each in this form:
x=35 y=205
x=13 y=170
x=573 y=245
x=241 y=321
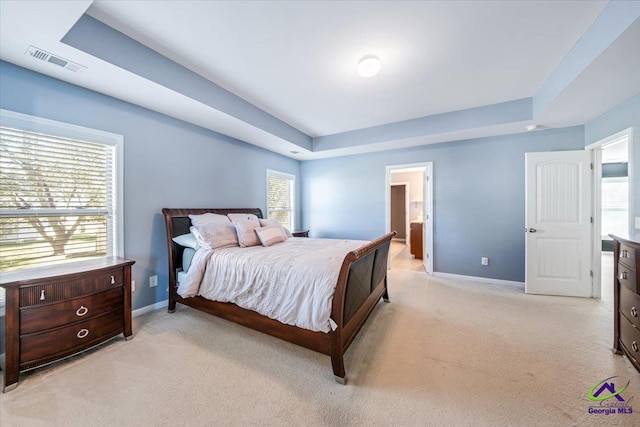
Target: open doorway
x=614 y=206
x=409 y=213
x=612 y=202
x=400 y=210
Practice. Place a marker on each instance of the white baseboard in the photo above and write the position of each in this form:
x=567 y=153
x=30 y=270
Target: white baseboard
x=149 y=308
x=480 y=279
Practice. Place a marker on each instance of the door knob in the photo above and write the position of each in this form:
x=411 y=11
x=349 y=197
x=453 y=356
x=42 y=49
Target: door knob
x=532 y=230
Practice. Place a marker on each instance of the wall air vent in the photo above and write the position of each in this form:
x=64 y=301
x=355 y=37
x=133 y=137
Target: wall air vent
x=45 y=56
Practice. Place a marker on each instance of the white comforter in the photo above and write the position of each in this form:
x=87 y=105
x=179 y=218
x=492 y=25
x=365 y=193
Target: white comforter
x=292 y=282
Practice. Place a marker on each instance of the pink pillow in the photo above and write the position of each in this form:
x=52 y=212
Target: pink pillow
x=274 y=222
x=216 y=235
x=270 y=235
x=206 y=218
x=237 y=217
x=247 y=232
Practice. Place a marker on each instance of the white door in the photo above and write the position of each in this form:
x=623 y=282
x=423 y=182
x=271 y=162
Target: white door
x=558 y=223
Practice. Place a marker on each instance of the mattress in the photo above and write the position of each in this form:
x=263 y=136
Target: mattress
x=292 y=282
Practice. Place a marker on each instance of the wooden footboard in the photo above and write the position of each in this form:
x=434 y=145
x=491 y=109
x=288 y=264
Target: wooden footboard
x=361 y=283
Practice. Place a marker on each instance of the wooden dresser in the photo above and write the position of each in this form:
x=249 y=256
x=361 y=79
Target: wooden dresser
x=626 y=298
x=416 y=239
x=54 y=312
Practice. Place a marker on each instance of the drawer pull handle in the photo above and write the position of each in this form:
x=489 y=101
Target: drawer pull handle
x=42 y=295
x=634 y=312
x=113 y=280
x=82 y=333
x=634 y=346
x=624 y=254
x=623 y=275
x=82 y=311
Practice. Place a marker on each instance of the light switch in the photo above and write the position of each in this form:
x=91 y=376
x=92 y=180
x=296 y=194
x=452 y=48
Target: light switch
x=638 y=222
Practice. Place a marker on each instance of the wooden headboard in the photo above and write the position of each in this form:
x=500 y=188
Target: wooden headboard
x=177 y=223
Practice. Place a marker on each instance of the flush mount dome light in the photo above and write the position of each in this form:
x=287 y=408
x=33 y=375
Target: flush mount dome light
x=369 y=66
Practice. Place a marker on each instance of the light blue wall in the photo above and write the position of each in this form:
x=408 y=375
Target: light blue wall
x=624 y=116
x=167 y=163
x=478 y=198
x=478 y=184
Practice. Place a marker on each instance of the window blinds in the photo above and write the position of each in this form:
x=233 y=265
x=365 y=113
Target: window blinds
x=280 y=197
x=57 y=199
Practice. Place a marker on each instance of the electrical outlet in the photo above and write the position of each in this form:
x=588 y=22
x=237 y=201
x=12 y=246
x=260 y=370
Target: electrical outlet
x=153 y=281
x=485 y=261
x=133 y=286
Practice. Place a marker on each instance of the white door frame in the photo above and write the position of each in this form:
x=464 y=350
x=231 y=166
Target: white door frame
x=407 y=208
x=427 y=207
x=597 y=201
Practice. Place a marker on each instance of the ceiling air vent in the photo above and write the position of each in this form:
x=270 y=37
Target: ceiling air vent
x=45 y=56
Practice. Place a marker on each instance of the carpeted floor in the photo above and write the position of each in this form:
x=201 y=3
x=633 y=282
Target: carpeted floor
x=443 y=352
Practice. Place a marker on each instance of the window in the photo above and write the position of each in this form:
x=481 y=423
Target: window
x=615 y=206
x=60 y=192
x=280 y=196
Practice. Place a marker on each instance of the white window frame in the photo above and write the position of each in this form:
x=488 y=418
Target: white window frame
x=292 y=178
x=30 y=123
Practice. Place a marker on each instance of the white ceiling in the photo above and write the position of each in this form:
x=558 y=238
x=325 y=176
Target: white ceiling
x=296 y=60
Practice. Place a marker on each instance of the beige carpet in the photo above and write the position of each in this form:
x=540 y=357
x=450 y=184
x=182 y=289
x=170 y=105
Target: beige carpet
x=443 y=352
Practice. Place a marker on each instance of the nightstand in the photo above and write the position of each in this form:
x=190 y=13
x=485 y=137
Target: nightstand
x=300 y=233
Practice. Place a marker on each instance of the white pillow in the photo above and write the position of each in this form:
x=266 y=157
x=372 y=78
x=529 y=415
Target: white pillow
x=187 y=240
x=270 y=235
x=274 y=223
x=236 y=217
x=247 y=232
x=216 y=235
x=197 y=220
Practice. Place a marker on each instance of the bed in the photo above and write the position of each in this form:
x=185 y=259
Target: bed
x=361 y=283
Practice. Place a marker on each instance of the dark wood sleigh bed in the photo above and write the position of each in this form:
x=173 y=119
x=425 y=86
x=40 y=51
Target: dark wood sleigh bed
x=361 y=283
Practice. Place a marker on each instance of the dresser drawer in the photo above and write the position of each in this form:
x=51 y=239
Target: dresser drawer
x=53 y=344
x=49 y=292
x=630 y=305
x=627 y=277
x=627 y=256
x=630 y=338
x=38 y=318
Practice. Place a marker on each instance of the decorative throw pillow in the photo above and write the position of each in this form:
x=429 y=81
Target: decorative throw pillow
x=187 y=240
x=274 y=223
x=216 y=235
x=236 y=217
x=247 y=232
x=198 y=220
x=270 y=235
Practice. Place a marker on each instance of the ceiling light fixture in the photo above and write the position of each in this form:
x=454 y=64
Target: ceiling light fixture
x=369 y=66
